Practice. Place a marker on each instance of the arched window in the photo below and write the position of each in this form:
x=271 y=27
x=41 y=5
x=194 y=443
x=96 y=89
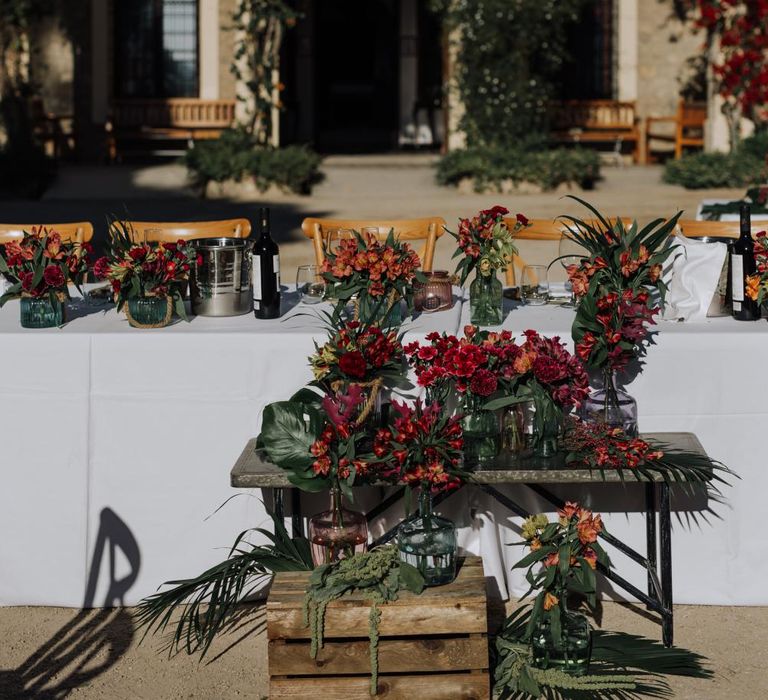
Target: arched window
x=156 y=48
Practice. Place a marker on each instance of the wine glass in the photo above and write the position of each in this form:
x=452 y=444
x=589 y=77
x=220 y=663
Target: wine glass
x=570 y=253
x=310 y=284
x=534 y=289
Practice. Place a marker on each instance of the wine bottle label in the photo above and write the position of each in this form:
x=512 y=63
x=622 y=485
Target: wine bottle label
x=256 y=260
x=737 y=280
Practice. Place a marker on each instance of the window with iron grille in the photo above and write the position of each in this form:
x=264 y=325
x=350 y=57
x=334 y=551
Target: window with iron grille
x=156 y=48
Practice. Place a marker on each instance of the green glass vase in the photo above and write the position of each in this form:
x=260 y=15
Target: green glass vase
x=428 y=542
x=571 y=653
x=385 y=311
x=148 y=312
x=482 y=432
x=41 y=312
x=485 y=300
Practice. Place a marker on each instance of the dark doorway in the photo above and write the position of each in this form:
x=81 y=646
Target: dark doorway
x=356 y=75
x=587 y=72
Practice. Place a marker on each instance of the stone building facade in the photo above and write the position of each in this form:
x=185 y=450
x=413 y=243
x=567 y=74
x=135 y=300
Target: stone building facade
x=358 y=75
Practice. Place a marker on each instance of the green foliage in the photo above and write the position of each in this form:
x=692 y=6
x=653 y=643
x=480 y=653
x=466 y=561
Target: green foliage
x=490 y=167
x=259 y=26
x=206 y=603
x=509 y=54
x=236 y=155
x=707 y=170
x=746 y=165
x=378 y=575
x=623 y=666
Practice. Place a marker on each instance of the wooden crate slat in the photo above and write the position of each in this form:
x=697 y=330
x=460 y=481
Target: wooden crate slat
x=395 y=656
x=467 y=617
x=463 y=686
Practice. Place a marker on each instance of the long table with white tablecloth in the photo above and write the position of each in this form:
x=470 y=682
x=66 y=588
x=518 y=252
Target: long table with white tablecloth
x=117 y=445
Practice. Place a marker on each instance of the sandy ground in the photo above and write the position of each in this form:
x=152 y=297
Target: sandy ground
x=50 y=653
x=53 y=653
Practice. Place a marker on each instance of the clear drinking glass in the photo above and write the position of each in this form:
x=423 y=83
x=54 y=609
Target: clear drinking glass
x=570 y=253
x=535 y=286
x=310 y=284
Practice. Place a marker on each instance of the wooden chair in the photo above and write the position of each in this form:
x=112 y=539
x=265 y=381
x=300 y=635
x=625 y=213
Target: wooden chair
x=323 y=231
x=77 y=232
x=688 y=128
x=692 y=228
x=170 y=232
x=539 y=230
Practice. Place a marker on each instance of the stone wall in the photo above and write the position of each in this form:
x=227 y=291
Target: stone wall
x=226 y=49
x=663 y=45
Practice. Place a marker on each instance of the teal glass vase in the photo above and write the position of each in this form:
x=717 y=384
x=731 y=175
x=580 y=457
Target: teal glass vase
x=482 y=432
x=428 y=542
x=571 y=653
x=148 y=312
x=485 y=300
x=41 y=312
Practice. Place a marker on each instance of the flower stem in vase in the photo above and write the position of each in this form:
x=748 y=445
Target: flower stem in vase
x=337 y=533
x=611 y=406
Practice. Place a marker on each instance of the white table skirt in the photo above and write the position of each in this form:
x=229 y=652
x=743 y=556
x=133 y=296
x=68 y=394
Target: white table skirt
x=108 y=431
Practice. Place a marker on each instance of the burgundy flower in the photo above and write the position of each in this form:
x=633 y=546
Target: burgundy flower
x=494 y=212
x=353 y=364
x=53 y=276
x=484 y=383
x=26 y=281
x=101 y=267
x=547 y=370
x=522 y=220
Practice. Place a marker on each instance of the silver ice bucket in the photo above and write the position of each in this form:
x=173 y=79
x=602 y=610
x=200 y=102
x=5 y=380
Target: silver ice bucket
x=220 y=282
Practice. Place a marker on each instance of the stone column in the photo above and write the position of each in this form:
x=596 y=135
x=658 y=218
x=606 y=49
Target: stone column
x=626 y=50
x=208 y=58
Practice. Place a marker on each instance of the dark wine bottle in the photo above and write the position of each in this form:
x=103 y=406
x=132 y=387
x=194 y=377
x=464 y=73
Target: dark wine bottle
x=742 y=264
x=266 y=271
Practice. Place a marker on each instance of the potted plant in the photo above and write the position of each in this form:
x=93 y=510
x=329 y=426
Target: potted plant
x=546 y=383
x=620 y=290
x=562 y=561
x=422 y=447
x=376 y=275
x=362 y=355
x=486 y=245
x=147 y=279
x=39 y=268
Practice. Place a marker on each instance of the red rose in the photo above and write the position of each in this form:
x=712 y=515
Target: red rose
x=353 y=364
x=138 y=253
x=495 y=212
x=101 y=267
x=484 y=383
x=53 y=276
x=522 y=220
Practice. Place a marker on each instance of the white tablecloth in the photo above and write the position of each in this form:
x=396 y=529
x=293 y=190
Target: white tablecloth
x=115 y=436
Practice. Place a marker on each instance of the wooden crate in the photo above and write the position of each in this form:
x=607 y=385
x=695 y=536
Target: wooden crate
x=431 y=647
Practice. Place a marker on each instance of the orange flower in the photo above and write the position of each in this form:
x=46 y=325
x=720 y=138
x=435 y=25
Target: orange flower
x=550 y=601
x=655 y=272
x=535 y=544
x=569 y=510
x=524 y=362
x=753 y=287
x=589 y=527
x=591 y=557
x=552 y=559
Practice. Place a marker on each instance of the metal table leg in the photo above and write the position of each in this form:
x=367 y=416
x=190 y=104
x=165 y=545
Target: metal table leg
x=650 y=534
x=278 y=507
x=665 y=527
x=297 y=521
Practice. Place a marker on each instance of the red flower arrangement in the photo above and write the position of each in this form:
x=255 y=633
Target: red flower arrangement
x=41 y=264
x=376 y=273
x=598 y=446
x=757 y=284
x=486 y=242
x=472 y=365
x=422 y=446
x=612 y=283
x=356 y=352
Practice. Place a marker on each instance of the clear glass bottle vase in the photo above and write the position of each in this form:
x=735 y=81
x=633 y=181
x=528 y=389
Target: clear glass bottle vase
x=428 y=542
x=572 y=652
x=486 y=300
x=338 y=532
x=611 y=405
x=482 y=432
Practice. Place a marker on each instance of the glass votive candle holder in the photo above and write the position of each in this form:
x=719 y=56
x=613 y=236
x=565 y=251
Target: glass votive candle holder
x=436 y=294
x=534 y=289
x=310 y=284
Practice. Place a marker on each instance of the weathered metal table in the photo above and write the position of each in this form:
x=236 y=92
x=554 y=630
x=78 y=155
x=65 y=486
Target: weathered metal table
x=253 y=470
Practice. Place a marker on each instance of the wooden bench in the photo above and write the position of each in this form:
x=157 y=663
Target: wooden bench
x=687 y=130
x=431 y=646
x=141 y=126
x=596 y=121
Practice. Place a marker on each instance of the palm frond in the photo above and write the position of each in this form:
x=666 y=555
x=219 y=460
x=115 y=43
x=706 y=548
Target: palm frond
x=204 y=604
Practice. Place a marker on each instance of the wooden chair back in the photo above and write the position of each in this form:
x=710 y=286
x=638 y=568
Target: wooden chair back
x=691 y=228
x=172 y=231
x=540 y=230
x=76 y=232
x=690 y=126
x=324 y=231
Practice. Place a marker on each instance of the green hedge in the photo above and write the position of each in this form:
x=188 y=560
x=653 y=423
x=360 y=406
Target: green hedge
x=746 y=165
x=235 y=155
x=489 y=167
